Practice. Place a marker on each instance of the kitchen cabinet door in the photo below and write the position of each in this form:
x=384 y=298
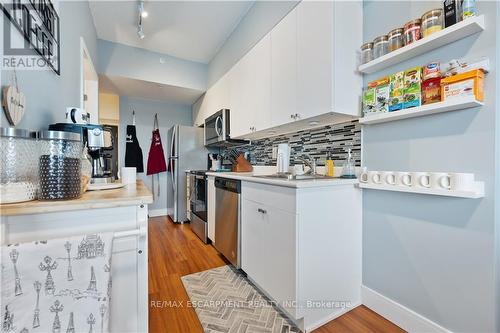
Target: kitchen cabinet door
x=284 y=70
x=197 y=112
x=259 y=97
x=269 y=251
x=314 y=58
x=239 y=90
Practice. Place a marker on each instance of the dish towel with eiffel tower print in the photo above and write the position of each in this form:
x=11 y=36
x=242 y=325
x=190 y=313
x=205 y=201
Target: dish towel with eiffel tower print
x=57 y=285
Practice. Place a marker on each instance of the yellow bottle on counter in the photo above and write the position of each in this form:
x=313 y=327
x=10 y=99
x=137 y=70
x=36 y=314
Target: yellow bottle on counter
x=329 y=166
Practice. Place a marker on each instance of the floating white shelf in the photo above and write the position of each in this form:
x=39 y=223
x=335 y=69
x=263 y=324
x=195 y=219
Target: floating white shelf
x=424 y=110
x=448 y=35
x=478 y=193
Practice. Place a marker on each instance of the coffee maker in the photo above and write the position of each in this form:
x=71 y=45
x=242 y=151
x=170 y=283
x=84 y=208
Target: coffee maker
x=99 y=141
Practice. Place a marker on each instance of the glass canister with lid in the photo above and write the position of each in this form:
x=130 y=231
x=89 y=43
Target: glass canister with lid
x=432 y=21
x=395 y=37
x=411 y=31
x=380 y=46
x=60 y=167
x=18 y=165
x=366 y=52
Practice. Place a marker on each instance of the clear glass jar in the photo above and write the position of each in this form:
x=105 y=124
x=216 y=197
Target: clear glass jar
x=411 y=31
x=18 y=165
x=60 y=166
x=380 y=46
x=366 y=52
x=432 y=21
x=395 y=38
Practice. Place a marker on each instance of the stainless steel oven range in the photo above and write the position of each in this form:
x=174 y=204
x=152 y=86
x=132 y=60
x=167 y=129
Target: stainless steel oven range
x=198 y=198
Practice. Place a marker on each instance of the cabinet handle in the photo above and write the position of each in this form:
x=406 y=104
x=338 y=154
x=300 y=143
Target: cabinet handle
x=263 y=211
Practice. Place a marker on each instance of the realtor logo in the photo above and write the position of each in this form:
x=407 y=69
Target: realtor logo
x=30 y=35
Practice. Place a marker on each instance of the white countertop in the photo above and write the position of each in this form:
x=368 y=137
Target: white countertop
x=309 y=183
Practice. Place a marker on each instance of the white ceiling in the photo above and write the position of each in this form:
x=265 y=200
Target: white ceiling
x=148 y=90
x=192 y=30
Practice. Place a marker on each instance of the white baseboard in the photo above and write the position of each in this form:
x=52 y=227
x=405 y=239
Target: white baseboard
x=400 y=315
x=326 y=320
x=158 y=212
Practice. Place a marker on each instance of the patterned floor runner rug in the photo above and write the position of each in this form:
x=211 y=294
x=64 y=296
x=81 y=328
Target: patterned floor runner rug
x=226 y=301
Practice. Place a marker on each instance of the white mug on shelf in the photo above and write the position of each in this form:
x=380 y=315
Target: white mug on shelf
x=363 y=177
x=128 y=175
x=374 y=177
x=440 y=180
x=389 y=177
x=462 y=181
x=419 y=179
x=425 y=180
x=404 y=178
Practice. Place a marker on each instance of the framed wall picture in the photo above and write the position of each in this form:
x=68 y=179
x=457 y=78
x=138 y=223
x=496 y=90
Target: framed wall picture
x=38 y=23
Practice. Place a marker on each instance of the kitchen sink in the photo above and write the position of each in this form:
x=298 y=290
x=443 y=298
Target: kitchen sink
x=293 y=177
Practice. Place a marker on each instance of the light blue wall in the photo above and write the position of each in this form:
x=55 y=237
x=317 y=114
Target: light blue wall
x=47 y=94
x=132 y=62
x=260 y=19
x=434 y=255
x=497 y=175
x=168 y=115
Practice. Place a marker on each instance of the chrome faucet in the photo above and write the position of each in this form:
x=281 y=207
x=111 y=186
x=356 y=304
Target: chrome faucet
x=310 y=162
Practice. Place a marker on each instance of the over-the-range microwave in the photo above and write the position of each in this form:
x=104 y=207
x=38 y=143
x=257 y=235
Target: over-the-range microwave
x=217 y=130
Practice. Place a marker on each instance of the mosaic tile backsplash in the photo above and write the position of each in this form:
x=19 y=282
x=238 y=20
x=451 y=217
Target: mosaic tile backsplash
x=336 y=139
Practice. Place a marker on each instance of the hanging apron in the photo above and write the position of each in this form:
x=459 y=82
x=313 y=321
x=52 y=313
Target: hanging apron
x=156 y=158
x=133 y=152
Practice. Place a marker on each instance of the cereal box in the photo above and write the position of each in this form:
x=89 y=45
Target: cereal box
x=396 y=91
x=412 y=87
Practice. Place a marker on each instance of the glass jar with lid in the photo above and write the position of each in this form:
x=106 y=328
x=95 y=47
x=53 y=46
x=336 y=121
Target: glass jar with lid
x=380 y=46
x=18 y=165
x=60 y=168
x=432 y=21
x=411 y=31
x=366 y=52
x=395 y=37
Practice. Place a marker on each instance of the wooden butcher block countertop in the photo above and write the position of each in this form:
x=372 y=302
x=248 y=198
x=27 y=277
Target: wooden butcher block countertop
x=130 y=195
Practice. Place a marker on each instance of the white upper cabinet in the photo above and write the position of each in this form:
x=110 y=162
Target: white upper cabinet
x=284 y=70
x=215 y=99
x=329 y=34
x=250 y=90
x=239 y=87
x=303 y=72
x=314 y=58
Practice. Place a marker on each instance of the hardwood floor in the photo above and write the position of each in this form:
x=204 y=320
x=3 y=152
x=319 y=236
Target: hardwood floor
x=175 y=251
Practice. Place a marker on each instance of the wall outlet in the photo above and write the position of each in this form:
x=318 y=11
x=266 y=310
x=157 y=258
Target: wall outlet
x=275 y=152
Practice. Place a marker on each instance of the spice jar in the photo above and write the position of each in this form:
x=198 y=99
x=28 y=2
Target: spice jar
x=411 y=31
x=60 y=167
x=432 y=21
x=18 y=165
x=366 y=52
x=380 y=46
x=395 y=37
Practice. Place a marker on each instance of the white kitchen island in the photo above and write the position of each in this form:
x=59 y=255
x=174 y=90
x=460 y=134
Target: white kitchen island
x=301 y=244
x=122 y=211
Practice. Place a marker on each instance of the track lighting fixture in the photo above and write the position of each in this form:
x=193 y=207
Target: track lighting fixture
x=142 y=11
x=142 y=14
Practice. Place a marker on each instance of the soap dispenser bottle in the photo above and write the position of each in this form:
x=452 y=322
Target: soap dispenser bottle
x=349 y=168
x=329 y=166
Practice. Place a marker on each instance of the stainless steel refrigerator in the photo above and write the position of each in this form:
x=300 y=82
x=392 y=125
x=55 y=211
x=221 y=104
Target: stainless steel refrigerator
x=187 y=152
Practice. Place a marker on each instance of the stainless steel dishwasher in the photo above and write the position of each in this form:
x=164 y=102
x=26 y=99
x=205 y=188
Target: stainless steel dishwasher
x=227 y=219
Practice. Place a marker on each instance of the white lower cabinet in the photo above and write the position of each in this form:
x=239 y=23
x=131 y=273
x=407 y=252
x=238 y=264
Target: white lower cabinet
x=266 y=265
x=302 y=248
x=211 y=208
